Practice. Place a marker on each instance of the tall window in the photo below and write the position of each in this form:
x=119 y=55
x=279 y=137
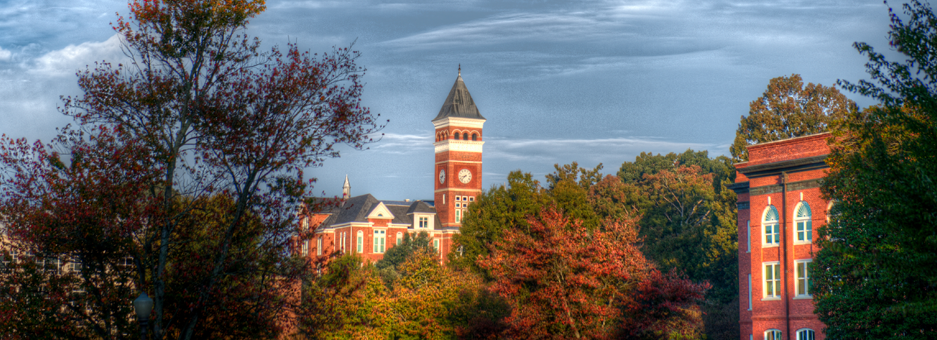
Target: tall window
x=379 y=237
x=456 y=135
x=436 y=245
x=305 y=247
x=342 y=242
x=360 y=243
x=802 y=271
x=773 y=334
x=474 y=136
x=458 y=215
x=772 y=275
x=319 y=246
x=749 y=291
x=803 y=228
x=805 y=334
x=305 y=224
x=424 y=222
x=770 y=225
x=400 y=237
x=748 y=228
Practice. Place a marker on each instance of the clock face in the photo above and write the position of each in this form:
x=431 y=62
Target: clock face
x=442 y=175
x=465 y=176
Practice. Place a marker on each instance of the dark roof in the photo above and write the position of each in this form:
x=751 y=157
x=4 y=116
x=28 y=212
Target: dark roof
x=459 y=103
x=357 y=209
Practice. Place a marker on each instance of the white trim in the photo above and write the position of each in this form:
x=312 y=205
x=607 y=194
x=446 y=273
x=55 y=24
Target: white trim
x=460 y=122
x=749 y=291
x=380 y=209
x=808 y=220
x=458 y=145
x=749 y=232
x=779 y=337
x=457 y=189
x=797 y=294
x=457 y=161
x=776 y=280
x=797 y=333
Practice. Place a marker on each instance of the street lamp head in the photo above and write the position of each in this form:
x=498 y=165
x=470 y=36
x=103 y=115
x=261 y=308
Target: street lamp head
x=142 y=306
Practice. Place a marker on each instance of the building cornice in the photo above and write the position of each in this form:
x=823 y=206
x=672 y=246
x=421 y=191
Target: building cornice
x=769 y=169
x=460 y=122
x=460 y=145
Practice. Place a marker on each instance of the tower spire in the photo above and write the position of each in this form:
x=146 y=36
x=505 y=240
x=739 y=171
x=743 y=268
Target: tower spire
x=346 y=189
x=460 y=70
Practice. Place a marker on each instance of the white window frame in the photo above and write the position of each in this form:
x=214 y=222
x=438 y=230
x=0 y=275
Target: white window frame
x=771 y=235
x=802 y=334
x=436 y=245
x=748 y=230
x=305 y=224
x=458 y=215
x=803 y=225
x=399 y=238
x=380 y=241
x=304 y=248
x=342 y=242
x=360 y=245
x=775 y=334
x=805 y=278
x=775 y=280
x=749 y=291
x=319 y=246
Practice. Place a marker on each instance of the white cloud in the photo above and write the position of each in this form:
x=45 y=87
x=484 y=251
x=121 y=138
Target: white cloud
x=66 y=61
x=5 y=55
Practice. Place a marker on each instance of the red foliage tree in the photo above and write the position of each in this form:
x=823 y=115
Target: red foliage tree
x=563 y=281
x=198 y=114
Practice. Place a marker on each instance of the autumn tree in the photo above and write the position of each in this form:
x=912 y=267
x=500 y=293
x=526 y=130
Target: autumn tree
x=199 y=111
x=874 y=274
x=787 y=109
x=688 y=223
x=565 y=281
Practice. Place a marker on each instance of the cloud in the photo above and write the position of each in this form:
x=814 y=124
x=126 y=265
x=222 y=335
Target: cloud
x=68 y=60
x=5 y=55
x=584 y=150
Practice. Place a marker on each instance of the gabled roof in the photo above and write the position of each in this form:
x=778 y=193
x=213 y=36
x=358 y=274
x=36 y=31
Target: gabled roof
x=358 y=208
x=459 y=103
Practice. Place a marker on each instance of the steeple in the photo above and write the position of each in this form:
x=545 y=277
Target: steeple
x=459 y=103
x=346 y=189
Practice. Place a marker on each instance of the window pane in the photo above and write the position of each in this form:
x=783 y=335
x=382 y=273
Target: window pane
x=809 y=231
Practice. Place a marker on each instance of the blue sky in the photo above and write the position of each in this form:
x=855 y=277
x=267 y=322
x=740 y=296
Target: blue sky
x=558 y=81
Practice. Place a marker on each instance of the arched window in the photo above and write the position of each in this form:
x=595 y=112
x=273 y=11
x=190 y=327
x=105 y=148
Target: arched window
x=399 y=238
x=474 y=136
x=804 y=228
x=769 y=222
x=773 y=334
x=360 y=244
x=465 y=136
x=805 y=334
x=456 y=135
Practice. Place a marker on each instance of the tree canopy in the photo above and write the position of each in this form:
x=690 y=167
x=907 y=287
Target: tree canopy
x=787 y=109
x=874 y=275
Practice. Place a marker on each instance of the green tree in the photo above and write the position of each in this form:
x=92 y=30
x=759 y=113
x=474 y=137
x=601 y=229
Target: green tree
x=688 y=223
x=874 y=274
x=496 y=210
x=787 y=109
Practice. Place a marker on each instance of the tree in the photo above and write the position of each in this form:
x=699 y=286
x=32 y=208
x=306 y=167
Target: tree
x=562 y=281
x=874 y=275
x=787 y=109
x=205 y=114
x=399 y=254
x=688 y=223
x=664 y=306
x=495 y=211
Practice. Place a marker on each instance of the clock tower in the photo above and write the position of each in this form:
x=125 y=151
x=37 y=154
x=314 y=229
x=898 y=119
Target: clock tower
x=458 y=165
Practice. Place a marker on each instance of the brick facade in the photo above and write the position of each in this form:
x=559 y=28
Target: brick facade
x=780 y=176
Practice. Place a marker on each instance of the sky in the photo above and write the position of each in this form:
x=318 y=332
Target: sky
x=558 y=81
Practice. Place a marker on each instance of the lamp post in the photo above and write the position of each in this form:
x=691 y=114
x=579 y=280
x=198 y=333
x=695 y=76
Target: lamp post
x=142 y=306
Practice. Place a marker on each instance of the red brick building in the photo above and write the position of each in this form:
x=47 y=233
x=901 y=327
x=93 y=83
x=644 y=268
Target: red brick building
x=780 y=208
x=368 y=226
